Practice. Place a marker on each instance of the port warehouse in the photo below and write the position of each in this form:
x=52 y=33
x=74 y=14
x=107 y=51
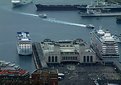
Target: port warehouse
x=64 y=51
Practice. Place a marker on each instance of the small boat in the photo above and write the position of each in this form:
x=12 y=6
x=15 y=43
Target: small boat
x=43 y=15
x=90 y=26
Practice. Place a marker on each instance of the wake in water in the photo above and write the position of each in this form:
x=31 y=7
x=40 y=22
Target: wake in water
x=56 y=21
x=34 y=15
x=64 y=22
x=51 y=19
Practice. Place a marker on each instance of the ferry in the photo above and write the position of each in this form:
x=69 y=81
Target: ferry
x=17 y=3
x=104 y=43
x=42 y=15
x=90 y=26
x=24 y=44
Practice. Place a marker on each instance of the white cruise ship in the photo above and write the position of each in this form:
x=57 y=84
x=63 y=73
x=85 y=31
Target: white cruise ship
x=24 y=44
x=104 y=44
x=17 y=3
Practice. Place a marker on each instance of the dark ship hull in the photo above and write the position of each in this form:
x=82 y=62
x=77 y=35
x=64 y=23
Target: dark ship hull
x=60 y=7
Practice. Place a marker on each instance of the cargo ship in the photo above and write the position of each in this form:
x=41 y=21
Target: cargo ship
x=24 y=44
x=60 y=7
x=17 y=3
x=111 y=7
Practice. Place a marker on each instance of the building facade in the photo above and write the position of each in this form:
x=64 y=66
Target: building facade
x=44 y=77
x=68 y=51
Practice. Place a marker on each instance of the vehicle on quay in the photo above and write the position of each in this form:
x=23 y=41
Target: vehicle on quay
x=61 y=76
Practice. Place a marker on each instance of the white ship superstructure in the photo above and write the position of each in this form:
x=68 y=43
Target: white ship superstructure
x=24 y=45
x=20 y=2
x=104 y=44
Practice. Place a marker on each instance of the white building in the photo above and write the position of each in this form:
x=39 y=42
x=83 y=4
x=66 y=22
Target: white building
x=104 y=44
x=67 y=51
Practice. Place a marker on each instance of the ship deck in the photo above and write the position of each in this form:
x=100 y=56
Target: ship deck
x=102 y=15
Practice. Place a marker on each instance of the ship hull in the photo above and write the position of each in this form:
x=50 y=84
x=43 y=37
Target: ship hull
x=24 y=52
x=60 y=7
x=110 y=9
x=74 y=7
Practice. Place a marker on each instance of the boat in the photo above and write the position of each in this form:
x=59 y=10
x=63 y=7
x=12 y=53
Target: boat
x=24 y=44
x=17 y=3
x=104 y=44
x=43 y=15
x=90 y=26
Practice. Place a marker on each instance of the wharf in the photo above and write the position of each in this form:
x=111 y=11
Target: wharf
x=38 y=56
x=113 y=61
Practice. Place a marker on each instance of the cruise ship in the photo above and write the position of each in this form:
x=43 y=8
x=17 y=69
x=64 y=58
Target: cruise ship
x=104 y=44
x=17 y=3
x=24 y=44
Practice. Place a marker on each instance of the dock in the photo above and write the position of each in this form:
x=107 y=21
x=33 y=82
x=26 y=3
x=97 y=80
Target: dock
x=38 y=56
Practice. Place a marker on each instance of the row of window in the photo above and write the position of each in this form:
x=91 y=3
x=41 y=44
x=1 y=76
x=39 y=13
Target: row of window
x=88 y=59
x=52 y=59
x=69 y=58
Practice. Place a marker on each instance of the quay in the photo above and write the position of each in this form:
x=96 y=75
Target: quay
x=38 y=56
x=41 y=7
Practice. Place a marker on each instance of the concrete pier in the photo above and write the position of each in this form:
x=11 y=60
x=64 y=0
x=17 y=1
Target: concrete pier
x=38 y=56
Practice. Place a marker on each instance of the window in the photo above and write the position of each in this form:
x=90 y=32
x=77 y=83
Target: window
x=52 y=58
x=91 y=58
x=87 y=58
x=49 y=59
x=84 y=59
x=56 y=60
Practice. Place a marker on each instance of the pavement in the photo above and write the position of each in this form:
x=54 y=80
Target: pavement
x=86 y=75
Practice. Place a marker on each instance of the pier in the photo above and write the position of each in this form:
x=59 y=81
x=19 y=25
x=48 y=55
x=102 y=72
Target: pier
x=38 y=56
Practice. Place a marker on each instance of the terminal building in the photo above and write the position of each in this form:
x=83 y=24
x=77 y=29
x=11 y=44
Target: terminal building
x=104 y=44
x=67 y=51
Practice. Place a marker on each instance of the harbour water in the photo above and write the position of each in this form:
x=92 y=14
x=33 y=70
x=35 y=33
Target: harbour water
x=12 y=21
